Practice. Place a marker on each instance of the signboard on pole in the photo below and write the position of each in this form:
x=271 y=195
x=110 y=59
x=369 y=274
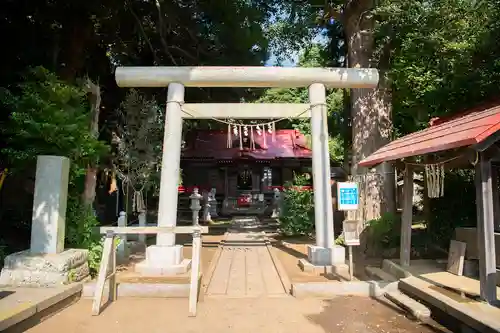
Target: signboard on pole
x=347 y=196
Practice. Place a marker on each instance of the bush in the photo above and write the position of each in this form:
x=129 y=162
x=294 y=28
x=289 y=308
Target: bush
x=297 y=213
x=80 y=222
x=385 y=231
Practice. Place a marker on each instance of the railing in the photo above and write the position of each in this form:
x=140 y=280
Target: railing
x=107 y=269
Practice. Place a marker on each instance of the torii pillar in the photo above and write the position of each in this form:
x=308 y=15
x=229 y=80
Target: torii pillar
x=165 y=258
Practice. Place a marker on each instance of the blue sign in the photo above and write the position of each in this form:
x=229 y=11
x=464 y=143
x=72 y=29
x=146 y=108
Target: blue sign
x=348 y=196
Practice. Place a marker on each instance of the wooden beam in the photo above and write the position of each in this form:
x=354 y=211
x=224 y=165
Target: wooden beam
x=152 y=230
x=265 y=77
x=195 y=274
x=485 y=201
x=245 y=111
x=407 y=217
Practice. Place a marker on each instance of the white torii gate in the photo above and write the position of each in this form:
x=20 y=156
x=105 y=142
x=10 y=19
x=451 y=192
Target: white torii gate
x=165 y=257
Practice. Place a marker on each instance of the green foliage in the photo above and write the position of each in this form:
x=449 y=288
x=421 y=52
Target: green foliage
x=297 y=214
x=340 y=240
x=50 y=117
x=444 y=56
x=139 y=146
x=385 y=231
x=457 y=208
x=80 y=222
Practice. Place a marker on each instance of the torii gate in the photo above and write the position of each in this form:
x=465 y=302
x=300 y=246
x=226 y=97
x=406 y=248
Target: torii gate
x=165 y=257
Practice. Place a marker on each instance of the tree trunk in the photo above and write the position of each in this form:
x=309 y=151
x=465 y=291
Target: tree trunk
x=94 y=93
x=370 y=115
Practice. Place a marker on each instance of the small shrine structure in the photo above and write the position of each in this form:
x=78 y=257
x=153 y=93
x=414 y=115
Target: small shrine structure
x=251 y=168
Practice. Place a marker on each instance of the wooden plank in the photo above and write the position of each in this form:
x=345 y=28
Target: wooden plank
x=103 y=272
x=456 y=257
x=195 y=274
x=485 y=227
x=207 y=278
x=112 y=279
x=407 y=216
x=153 y=230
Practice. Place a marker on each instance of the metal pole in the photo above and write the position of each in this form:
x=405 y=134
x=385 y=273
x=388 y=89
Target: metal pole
x=351 y=265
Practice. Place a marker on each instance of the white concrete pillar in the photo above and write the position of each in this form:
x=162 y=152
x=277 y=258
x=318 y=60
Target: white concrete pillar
x=170 y=167
x=321 y=167
x=49 y=205
x=166 y=258
x=324 y=253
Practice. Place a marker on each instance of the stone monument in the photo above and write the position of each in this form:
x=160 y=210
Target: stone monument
x=212 y=202
x=47 y=263
x=206 y=207
x=276 y=203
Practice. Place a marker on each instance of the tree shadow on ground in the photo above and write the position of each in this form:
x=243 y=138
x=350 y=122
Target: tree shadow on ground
x=350 y=314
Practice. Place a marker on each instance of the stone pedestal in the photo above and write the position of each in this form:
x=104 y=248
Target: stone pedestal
x=163 y=260
x=320 y=259
x=44 y=270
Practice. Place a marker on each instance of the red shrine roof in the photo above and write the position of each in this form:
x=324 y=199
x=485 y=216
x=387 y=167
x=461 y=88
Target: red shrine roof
x=463 y=130
x=212 y=144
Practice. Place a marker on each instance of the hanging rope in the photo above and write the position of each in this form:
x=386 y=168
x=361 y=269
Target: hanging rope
x=193 y=114
x=239 y=130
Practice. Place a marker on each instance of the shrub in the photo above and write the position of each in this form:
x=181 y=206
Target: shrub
x=385 y=231
x=297 y=213
x=80 y=222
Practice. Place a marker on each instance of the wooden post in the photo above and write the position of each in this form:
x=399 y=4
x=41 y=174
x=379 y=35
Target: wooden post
x=113 y=292
x=195 y=273
x=486 y=194
x=108 y=256
x=406 y=219
x=142 y=223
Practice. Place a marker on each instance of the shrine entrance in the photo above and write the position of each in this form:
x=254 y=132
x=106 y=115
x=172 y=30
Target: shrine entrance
x=325 y=253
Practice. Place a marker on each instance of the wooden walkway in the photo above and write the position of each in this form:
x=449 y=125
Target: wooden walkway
x=245 y=269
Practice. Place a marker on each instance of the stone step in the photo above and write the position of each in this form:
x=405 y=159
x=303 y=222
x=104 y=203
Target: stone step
x=394 y=269
x=377 y=273
x=416 y=309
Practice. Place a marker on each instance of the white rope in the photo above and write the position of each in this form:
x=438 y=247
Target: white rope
x=264 y=124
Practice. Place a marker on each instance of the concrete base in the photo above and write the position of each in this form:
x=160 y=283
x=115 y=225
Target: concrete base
x=163 y=261
x=475 y=314
x=33 y=305
x=161 y=290
x=44 y=270
x=338 y=269
x=332 y=289
x=321 y=256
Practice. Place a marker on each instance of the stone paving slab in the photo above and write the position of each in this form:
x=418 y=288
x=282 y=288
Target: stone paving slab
x=18 y=303
x=245 y=271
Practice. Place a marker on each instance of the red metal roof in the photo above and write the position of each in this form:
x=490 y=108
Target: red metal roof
x=460 y=131
x=213 y=145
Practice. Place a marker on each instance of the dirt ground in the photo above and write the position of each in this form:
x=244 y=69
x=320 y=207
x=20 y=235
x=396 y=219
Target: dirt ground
x=273 y=315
